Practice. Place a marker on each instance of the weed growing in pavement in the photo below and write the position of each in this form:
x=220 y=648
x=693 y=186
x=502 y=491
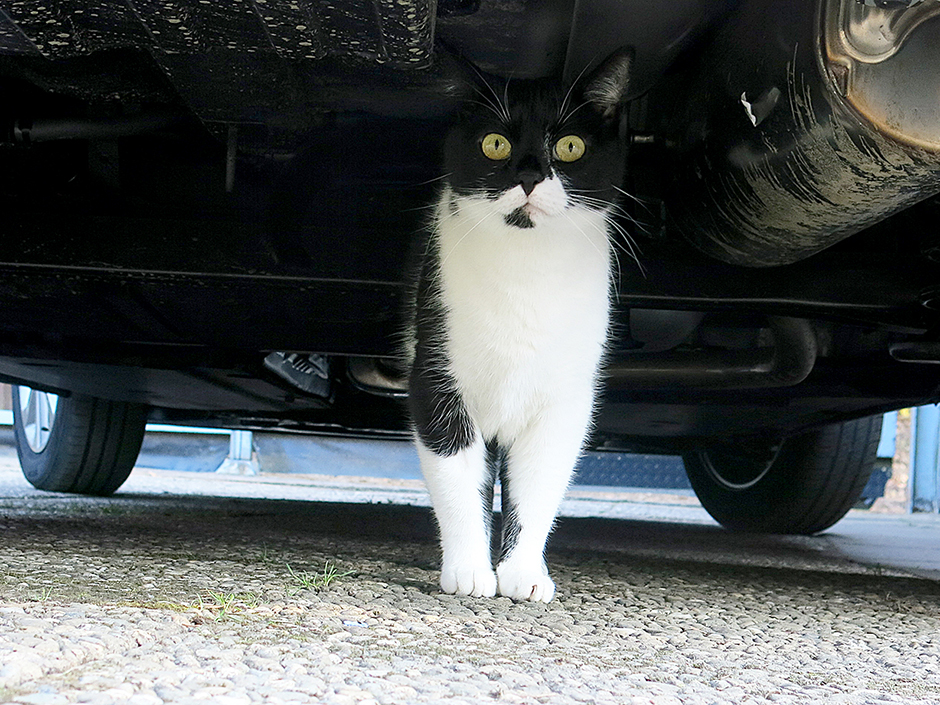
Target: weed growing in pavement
x=227 y=604
x=266 y=556
x=315 y=581
x=43 y=595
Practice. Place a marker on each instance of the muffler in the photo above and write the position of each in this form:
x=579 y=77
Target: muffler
x=797 y=129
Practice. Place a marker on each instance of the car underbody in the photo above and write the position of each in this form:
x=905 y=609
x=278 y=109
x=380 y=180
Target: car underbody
x=192 y=189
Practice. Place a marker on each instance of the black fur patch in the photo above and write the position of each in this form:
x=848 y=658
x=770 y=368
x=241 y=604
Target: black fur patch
x=511 y=526
x=520 y=219
x=493 y=456
x=440 y=416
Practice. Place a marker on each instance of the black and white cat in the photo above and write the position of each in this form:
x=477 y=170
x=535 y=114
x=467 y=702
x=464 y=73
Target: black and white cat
x=511 y=318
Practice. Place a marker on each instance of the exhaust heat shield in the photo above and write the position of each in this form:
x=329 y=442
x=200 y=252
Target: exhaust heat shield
x=796 y=128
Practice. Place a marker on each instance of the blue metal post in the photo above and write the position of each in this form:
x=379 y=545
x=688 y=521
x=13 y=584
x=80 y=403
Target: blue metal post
x=925 y=446
x=240 y=445
x=889 y=432
x=241 y=459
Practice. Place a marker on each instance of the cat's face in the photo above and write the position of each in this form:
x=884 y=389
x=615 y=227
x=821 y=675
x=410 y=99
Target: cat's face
x=534 y=150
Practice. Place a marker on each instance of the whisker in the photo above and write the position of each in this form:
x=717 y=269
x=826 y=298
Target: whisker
x=614 y=208
x=638 y=224
x=489 y=105
x=415 y=209
x=588 y=190
x=501 y=109
x=571 y=112
x=564 y=103
x=581 y=198
x=632 y=248
x=602 y=205
x=608 y=211
x=636 y=199
x=614 y=257
x=431 y=181
x=616 y=188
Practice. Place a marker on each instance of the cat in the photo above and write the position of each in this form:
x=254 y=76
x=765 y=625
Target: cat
x=510 y=317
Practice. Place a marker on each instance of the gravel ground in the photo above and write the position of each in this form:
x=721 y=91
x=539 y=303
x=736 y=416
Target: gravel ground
x=147 y=599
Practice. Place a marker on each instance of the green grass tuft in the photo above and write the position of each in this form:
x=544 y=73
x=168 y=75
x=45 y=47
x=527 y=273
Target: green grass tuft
x=305 y=580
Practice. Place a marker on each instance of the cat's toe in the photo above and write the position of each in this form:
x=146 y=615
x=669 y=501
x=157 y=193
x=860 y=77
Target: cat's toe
x=525 y=583
x=477 y=581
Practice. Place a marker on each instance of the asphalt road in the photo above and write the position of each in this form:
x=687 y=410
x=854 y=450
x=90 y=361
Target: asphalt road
x=186 y=588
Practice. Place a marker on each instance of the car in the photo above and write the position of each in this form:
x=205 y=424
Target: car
x=208 y=210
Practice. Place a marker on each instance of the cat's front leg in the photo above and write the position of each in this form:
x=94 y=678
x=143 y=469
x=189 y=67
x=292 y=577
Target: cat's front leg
x=461 y=488
x=540 y=463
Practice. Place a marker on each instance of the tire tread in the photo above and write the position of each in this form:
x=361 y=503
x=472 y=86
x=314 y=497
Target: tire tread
x=92 y=449
x=818 y=477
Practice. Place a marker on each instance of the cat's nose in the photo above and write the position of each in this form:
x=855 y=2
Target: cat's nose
x=528 y=179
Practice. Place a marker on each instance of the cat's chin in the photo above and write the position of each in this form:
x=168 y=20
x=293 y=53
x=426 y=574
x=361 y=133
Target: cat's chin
x=529 y=215
x=520 y=218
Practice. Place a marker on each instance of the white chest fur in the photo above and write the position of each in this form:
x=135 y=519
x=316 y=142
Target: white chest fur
x=527 y=309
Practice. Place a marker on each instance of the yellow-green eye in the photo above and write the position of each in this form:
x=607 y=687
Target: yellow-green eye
x=497 y=147
x=569 y=148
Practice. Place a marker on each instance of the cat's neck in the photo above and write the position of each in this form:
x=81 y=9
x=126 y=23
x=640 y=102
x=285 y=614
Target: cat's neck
x=471 y=227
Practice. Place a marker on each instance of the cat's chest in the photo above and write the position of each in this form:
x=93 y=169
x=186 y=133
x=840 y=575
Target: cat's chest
x=527 y=312
x=496 y=276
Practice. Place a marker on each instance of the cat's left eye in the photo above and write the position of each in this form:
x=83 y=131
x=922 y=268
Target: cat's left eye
x=569 y=148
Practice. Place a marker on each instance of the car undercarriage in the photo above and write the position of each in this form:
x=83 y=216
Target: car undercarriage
x=209 y=207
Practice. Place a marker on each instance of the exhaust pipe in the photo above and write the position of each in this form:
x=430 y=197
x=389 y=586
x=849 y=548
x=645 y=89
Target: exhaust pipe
x=787 y=362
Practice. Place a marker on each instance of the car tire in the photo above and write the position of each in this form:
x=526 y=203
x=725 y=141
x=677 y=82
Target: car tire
x=798 y=485
x=77 y=443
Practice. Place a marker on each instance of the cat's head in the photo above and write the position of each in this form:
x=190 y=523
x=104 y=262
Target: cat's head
x=536 y=148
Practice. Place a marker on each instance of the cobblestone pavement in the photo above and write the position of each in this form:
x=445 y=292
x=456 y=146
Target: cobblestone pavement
x=160 y=595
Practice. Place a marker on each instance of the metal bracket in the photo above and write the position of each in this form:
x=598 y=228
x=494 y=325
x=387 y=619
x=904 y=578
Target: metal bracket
x=241 y=458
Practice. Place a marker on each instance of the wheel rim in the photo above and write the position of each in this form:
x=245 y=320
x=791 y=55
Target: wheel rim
x=737 y=471
x=37 y=411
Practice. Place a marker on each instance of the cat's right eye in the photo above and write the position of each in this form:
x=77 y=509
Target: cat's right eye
x=495 y=146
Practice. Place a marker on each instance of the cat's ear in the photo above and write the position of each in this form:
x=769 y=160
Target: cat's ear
x=606 y=87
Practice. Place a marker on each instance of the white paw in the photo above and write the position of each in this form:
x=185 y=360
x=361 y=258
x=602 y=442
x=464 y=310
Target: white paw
x=468 y=579
x=520 y=581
